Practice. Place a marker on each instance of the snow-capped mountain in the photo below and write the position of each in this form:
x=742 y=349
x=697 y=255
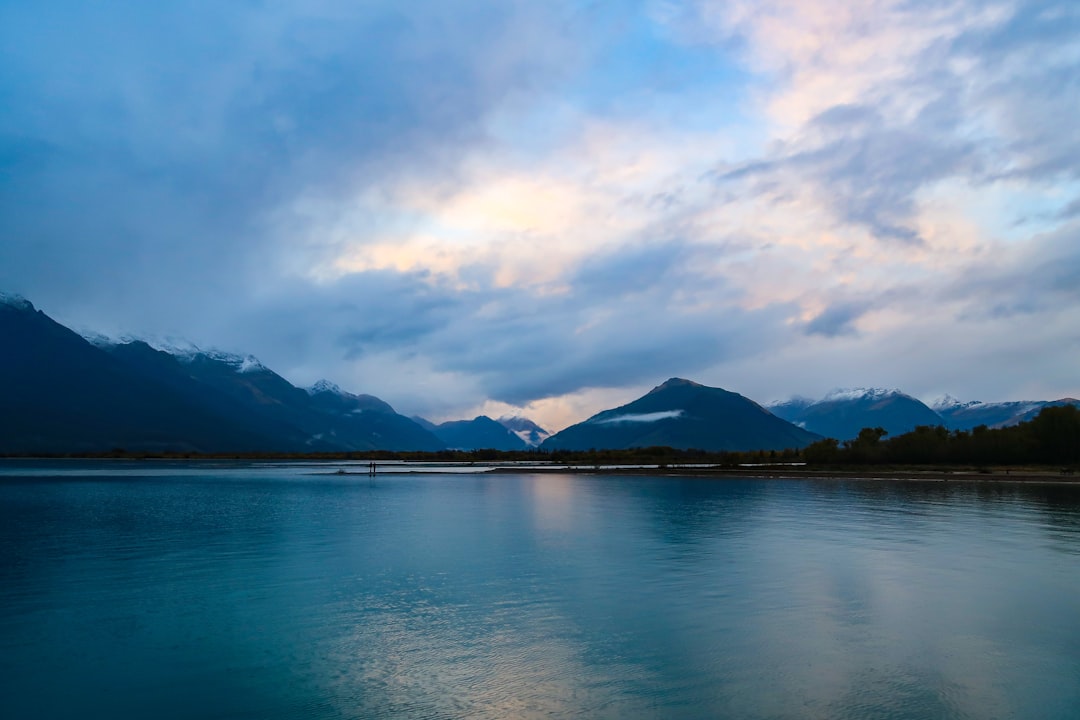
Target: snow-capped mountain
x=60 y=392
x=332 y=398
x=841 y=414
x=967 y=415
x=861 y=394
x=325 y=386
x=948 y=403
x=529 y=432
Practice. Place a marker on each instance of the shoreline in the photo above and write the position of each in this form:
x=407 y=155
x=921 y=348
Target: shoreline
x=358 y=468
x=869 y=473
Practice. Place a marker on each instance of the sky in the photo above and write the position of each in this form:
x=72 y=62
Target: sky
x=546 y=209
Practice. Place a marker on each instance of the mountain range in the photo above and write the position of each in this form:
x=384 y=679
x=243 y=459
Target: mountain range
x=843 y=413
x=60 y=393
x=965 y=416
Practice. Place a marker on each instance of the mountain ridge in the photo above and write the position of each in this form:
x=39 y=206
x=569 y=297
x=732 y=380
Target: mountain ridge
x=60 y=393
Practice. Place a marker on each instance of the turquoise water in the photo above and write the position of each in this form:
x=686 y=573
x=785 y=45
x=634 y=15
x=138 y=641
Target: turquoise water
x=195 y=591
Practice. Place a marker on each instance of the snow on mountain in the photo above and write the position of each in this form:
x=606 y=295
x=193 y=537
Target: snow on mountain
x=947 y=403
x=842 y=394
x=1018 y=406
x=325 y=386
x=180 y=348
x=240 y=363
x=97 y=339
x=16 y=301
x=844 y=412
x=529 y=432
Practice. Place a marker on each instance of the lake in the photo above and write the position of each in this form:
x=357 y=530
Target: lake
x=170 y=590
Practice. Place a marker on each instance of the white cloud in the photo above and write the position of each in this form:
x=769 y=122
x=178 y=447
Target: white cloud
x=640 y=417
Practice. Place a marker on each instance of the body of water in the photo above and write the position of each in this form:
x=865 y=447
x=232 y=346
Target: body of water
x=142 y=590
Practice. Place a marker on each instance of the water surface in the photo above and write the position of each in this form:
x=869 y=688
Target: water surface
x=132 y=590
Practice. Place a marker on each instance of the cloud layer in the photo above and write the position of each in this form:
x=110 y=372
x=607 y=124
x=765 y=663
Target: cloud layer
x=509 y=206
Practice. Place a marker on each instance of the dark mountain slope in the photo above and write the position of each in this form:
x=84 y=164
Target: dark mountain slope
x=366 y=416
x=683 y=414
x=59 y=393
x=165 y=369
x=479 y=433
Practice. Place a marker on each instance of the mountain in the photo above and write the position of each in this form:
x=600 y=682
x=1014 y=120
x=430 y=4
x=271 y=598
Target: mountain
x=529 y=432
x=479 y=433
x=683 y=414
x=366 y=418
x=59 y=393
x=321 y=419
x=843 y=413
x=967 y=415
x=165 y=369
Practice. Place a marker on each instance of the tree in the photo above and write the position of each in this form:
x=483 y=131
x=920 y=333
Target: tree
x=822 y=452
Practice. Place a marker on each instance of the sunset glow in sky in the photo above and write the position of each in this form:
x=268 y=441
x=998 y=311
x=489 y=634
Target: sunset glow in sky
x=549 y=208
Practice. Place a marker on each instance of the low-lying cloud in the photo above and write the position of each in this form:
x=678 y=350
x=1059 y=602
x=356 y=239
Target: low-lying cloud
x=640 y=417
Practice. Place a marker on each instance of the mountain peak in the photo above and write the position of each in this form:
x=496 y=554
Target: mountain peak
x=531 y=433
x=861 y=394
x=16 y=301
x=948 y=402
x=688 y=415
x=674 y=383
x=518 y=422
x=325 y=386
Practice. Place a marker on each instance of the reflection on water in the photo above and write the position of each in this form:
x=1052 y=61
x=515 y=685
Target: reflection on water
x=188 y=591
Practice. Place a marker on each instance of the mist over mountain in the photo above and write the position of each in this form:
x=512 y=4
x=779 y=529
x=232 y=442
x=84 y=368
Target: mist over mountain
x=843 y=413
x=683 y=414
x=530 y=433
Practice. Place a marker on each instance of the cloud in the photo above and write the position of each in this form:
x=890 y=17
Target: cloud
x=553 y=206
x=641 y=417
x=156 y=147
x=836 y=320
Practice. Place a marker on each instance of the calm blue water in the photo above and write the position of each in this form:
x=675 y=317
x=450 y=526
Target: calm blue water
x=189 y=591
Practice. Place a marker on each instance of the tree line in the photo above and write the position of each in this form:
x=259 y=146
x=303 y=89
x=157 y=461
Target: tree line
x=1051 y=438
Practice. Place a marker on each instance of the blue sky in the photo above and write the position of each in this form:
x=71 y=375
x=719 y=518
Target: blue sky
x=549 y=208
